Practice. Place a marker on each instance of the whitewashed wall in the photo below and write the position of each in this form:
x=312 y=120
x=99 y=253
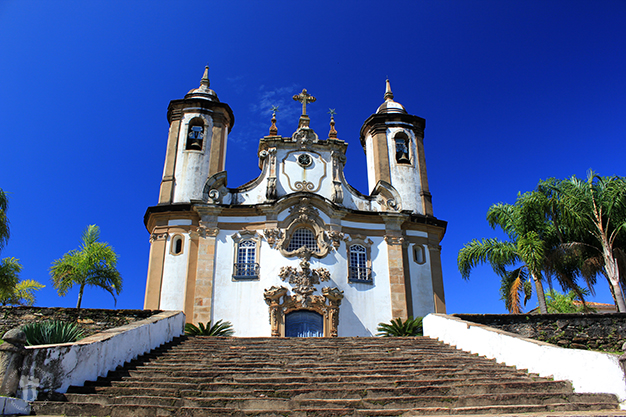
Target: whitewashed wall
x=589 y=371
x=56 y=367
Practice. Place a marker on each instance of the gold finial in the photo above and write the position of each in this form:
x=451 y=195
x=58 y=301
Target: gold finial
x=333 y=132
x=273 y=128
x=388 y=93
x=205 y=77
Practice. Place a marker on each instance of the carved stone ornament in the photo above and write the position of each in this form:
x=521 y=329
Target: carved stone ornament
x=305 y=136
x=336 y=238
x=394 y=240
x=387 y=196
x=303 y=281
x=215 y=188
x=272 y=236
x=337 y=193
x=304 y=215
x=281 y=303
x=271 y=193
x=157 y=236
x=205 y=231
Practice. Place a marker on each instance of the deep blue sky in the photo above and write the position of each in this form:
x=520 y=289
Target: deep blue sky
x=512 y=92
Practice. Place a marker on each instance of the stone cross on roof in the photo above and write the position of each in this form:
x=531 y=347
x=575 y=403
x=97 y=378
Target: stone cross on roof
x=304 y=98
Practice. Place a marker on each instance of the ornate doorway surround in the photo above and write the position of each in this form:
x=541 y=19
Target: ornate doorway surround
x=281 y=303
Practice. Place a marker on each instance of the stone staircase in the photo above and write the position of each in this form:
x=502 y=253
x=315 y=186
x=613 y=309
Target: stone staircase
x=206 y=376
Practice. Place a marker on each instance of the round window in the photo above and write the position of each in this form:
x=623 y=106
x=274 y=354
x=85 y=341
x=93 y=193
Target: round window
x=304 y=160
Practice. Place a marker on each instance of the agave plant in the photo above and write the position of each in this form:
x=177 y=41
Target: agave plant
x=51 y=332
x=224 y=329
x=398 y=328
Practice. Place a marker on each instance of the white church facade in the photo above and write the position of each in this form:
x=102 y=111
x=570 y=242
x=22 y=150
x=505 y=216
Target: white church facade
x=296 y=251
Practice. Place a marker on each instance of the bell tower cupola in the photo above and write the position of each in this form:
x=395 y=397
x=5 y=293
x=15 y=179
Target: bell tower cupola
x=393 y=141
x=196 y=145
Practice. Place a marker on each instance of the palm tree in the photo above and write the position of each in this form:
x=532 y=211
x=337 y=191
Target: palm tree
x=502 y=254
x=596 y=209
x=9 y=275
x=94 y=265
x=4 y=221
x=529 y=242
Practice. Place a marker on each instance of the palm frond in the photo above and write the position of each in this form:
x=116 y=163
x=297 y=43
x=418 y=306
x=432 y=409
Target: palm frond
x=219 y=328
x=398 y=328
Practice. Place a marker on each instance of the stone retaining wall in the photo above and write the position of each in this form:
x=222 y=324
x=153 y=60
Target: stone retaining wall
x=90 y=320
x=604 y=332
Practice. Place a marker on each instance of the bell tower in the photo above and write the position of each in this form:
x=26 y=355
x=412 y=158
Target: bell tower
x=393 y=141
x=196 y=150
x=196 y=144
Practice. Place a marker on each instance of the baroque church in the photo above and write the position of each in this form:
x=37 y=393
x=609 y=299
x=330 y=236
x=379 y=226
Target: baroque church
x=296 y=251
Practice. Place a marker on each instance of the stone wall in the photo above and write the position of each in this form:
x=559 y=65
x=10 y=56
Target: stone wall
x=603 y=332
x=91 y=321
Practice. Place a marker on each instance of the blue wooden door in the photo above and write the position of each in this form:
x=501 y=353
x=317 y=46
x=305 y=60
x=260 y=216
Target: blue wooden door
x=304 y=323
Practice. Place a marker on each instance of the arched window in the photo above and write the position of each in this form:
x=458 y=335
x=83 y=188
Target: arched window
x=303 y=237
x=177 y=245
x=358 y=269
x=419 y=255
x=195 y=135
x=402 y=148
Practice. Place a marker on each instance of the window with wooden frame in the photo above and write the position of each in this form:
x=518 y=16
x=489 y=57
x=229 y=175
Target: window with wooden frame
x=359 y=260
x=246 y=265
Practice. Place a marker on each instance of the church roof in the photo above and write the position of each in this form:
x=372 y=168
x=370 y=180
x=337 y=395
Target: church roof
x=203 y=91
x=390 y=106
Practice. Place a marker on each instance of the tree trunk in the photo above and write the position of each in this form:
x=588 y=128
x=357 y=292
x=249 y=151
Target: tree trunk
x=541 y=296
x=80 y=295
x=612 y=274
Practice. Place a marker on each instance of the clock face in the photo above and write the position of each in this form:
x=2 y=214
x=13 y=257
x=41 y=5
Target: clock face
x=304 y=160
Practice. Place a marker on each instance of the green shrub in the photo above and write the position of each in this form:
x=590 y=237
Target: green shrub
x=218 y=329
x=51 y=332
x=398 y=328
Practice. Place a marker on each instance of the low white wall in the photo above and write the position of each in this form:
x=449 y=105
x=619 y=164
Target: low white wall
x=588 y=371
x=56 y=367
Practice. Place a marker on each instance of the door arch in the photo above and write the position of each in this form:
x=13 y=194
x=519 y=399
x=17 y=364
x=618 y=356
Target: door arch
x=304 y=323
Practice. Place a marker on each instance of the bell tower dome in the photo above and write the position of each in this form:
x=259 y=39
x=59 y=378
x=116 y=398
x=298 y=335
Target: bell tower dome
x=393 y=141
x=196 y=145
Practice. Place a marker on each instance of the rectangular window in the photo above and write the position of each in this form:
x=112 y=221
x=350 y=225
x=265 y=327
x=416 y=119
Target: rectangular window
x=358 y=271
x=246 y=266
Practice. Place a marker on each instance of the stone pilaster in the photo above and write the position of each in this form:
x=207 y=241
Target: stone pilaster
x=167 y=184
x=434 y=251
x=158 y=241
x=205 y=271
x=399 y=283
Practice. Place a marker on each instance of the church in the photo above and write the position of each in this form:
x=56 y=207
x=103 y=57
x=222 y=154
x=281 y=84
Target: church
x=296 y=251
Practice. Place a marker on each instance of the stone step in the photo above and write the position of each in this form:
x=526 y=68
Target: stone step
x=191 y=390
x=132 y=410
x=275 y=377
x=183 y=384
x=202 y=376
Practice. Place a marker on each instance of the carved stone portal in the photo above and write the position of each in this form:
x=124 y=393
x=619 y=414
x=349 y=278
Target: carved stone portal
x=281 y=303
